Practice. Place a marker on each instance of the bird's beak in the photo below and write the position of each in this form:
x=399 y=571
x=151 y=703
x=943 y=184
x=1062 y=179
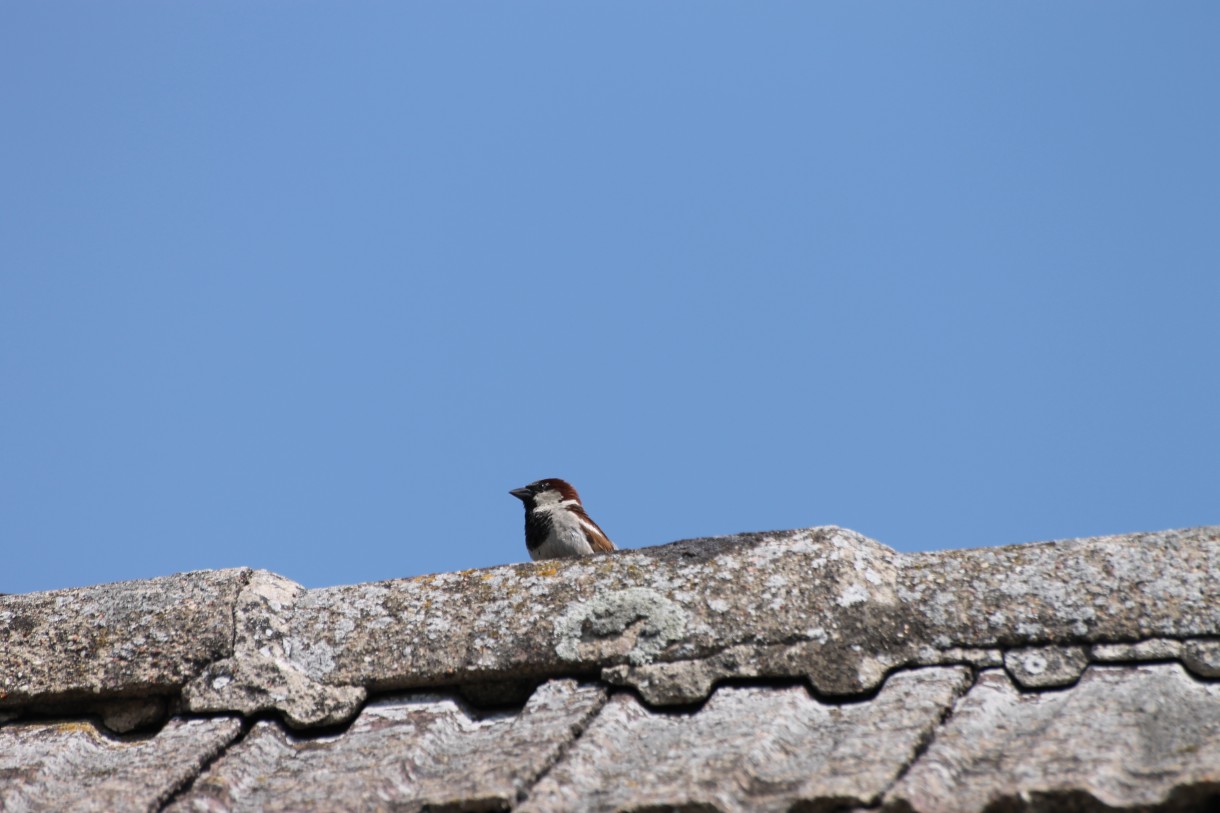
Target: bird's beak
x=522 y=494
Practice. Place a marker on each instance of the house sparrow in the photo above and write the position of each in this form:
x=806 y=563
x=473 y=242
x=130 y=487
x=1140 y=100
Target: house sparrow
x=556 y=525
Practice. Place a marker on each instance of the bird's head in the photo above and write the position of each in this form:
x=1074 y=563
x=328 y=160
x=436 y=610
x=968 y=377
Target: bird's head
x=548 y=492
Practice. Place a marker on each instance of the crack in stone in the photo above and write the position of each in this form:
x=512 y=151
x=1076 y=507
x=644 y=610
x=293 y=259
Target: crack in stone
x=564 y=748
x=246 y=576
x=208 y=761
x=926 y=741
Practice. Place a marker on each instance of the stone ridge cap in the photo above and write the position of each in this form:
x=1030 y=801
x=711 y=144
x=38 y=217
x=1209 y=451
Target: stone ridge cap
x=711 y=545
x=664 y=550
x=221 y=572
x=679 y=545
x=823 y=605
x=1195 y=531
x=701 y=547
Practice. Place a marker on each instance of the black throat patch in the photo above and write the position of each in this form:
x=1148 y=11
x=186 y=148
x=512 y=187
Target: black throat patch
x=537 y=528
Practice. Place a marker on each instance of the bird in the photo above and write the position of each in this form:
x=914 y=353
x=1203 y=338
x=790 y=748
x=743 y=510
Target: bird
x=556 y=525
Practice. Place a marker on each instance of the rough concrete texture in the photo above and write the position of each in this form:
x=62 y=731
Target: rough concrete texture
x=1154 y=649
x=1106 y=589
x=261 y=674
x=1124 y=736
x=825 y=593
x=1044 y=667
x=138 y=637
x=807 y=616
x=410 y=754
x=823 y=605
x=1202 y=658
x=75 y=766
x=749 y=749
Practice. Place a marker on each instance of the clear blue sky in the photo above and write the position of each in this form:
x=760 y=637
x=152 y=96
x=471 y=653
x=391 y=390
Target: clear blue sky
x=311 y=286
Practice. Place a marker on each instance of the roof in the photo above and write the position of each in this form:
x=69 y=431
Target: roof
x=795 y=670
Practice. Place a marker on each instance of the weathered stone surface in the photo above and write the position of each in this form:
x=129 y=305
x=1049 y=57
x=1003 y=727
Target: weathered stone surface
x=1077 y=591
x=411 y=754
x=1202 y=658
x=749 y=749
x=817 y=604
x=978 y=658
x=138 y=637
x=691 y=681
x=1124 y=736
x=1043 y=667
x=260 y=675
x=75 y=766
x=823 y=605
x=1154 y=649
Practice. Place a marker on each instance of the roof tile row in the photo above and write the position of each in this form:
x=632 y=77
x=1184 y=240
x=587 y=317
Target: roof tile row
x=1146 y=735
x=792 y=670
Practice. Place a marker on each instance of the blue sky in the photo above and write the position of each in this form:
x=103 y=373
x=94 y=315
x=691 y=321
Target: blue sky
x=310 y=286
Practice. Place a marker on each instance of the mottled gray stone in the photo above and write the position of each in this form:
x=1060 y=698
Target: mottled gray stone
x=1076 y=591
x=138 y=637
x=749 y=749
x=978 y=658
x=1155 y=649
x=75 y=766
x=261 y=676
x=817 y=604
x=678 y=682
x=1043 y=667
x=407 y=754
x=823 y=605
x=1202 y=658
x=1124 y=736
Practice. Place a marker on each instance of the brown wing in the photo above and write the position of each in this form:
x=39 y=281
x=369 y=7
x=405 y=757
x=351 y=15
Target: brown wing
x=596 y=536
